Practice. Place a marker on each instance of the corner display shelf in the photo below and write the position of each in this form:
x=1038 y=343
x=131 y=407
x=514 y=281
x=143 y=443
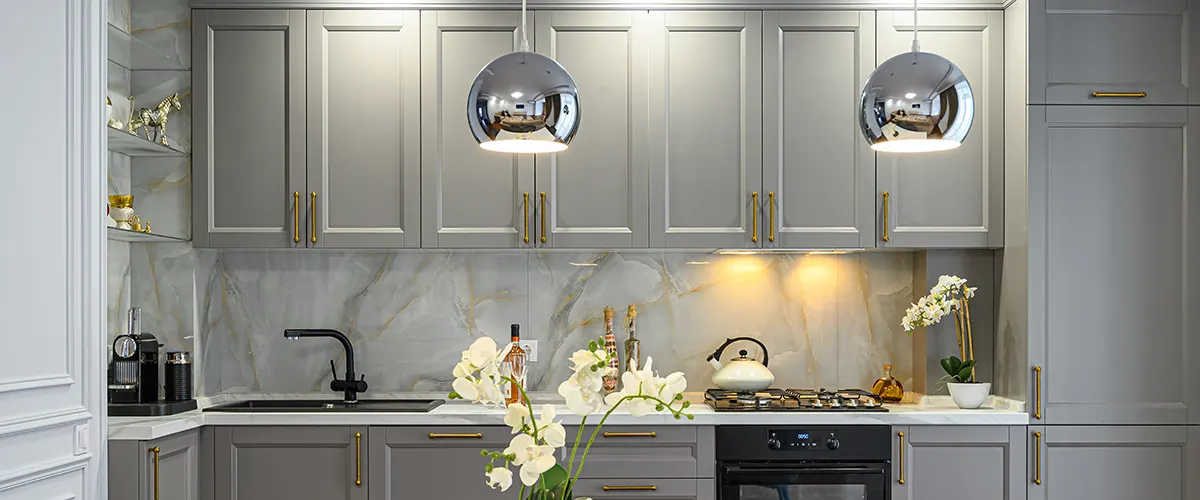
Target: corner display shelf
x=140 y=237
x=127 y=51
x=128 y=144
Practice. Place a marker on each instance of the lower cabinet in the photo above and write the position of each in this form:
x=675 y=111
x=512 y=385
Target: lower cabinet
x=949 y=462
x=435 y=462
x=646 y=489
x=296 y=463
x=646 y=452
x=162 y=469
x=1114 y=463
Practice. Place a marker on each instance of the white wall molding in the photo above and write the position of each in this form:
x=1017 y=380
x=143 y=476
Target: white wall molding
x=34 y=423
x=605 y=4
x=43 y=471
x=58 y=380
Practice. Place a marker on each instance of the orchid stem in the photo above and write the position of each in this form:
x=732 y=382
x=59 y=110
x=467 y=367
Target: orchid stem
x=574 y=449
x=525 y=396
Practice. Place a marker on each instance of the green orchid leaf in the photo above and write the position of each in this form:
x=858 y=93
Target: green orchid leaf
x=964 y=375
x=970 y=363
x=554 y=477
x=946 y=365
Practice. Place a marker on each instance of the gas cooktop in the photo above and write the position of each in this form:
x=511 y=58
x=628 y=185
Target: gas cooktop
x=853 y=400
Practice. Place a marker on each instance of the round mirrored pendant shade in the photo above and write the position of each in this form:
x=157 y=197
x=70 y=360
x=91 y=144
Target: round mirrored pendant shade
x=523 y=102
x=916 y=102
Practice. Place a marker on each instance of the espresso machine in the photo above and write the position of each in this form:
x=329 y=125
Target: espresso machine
x=133 y=375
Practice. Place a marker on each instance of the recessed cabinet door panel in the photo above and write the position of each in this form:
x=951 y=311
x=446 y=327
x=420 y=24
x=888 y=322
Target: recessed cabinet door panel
x=1098 y=52
x=249 y=128
x=941 y=461
x=1112 y=320
x=294 y=462
x=178 y=468
x=949 y=199
x=364 y=128
x=818 y=172
x=1112 y=463
x=416 y=463
x=597 y=190
x=471 y=198
x=706 y=130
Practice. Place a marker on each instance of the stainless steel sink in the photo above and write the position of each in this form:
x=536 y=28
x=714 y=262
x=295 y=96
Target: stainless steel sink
x=320 y=405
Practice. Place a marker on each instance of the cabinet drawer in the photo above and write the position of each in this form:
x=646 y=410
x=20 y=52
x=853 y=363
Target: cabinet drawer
x=648 y=452
x=450 y=436
x=681 y=489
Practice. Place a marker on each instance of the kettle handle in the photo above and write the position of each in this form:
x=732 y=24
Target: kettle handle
x=717 y=354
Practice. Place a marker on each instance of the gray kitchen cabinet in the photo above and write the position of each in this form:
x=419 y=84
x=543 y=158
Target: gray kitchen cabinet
x=951 y=198
x=1114 y=209
x=1114 y=52
x=297 y=463
x=435 y=462
x=162 y=469
x=1113 y=463
x=943 y=462
x=706 y=130
x=595 y=194
x=635 y=489
x=364 y=129
x=818 y=172
x=647 y=452
x=471 y=198
x=249 y=167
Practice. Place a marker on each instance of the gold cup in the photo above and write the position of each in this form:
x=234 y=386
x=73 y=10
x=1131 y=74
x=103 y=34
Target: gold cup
x=121 y=201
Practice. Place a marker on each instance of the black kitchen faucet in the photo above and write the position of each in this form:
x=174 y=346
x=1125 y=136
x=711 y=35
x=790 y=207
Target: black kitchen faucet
x=349 y=385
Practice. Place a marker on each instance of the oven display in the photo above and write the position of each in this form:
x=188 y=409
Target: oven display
x=787 y=439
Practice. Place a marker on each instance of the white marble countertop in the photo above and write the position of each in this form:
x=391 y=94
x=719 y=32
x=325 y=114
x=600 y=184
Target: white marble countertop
x=932 y=410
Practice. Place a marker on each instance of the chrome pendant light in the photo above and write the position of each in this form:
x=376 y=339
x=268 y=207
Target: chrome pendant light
x=523 y=102
x=916 y=102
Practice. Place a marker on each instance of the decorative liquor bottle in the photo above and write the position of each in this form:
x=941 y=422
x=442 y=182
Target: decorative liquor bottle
x=887 y=387
x=514 y=367
x=633 y=347
x=610 y=345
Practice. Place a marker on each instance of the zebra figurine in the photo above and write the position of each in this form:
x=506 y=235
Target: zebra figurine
x=155 y=118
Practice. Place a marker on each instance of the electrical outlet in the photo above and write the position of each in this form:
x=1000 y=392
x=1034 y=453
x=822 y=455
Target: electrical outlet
x=82 y=436
x=530 y=347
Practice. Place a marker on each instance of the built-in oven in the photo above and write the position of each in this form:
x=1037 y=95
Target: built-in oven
x=803 y=463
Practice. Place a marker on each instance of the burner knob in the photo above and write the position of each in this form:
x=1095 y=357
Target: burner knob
x=774 y=444
x=832 y=443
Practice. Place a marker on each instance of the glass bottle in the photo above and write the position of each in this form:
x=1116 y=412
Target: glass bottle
x=633 y=347
x=514 y=367
x=887 y=387
x=610 y=345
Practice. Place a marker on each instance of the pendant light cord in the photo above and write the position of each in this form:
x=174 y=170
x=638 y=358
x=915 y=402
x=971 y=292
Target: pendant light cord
x=916 y=45
x=524 y=38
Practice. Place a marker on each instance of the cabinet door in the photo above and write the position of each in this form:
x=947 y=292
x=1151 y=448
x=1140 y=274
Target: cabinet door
x=818 y=172
x=178 y=468
x=706 y=130
x=1113 y=463
x=597 y=191
x=364 y=129
x=470 y=198
x=944 y=461
x=297 y=463
x=636 y=452
x=951 y=198
x=1113 y=232
x=435 y=462
x=1089 y=49
x=248 y=182
x=645 y=489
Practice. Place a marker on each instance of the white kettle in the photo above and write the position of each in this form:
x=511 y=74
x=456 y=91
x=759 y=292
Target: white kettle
x=741 y=374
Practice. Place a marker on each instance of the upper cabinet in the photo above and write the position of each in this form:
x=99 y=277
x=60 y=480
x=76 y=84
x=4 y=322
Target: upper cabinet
x=818 y=172
x=249 y=185
x=471 y=198
x=705 y=130
x=951 y=198
x=1113 y=52
x=595 y=194
x=364 y=129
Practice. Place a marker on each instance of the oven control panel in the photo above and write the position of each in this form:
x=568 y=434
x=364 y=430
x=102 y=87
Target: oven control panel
x=800 y=439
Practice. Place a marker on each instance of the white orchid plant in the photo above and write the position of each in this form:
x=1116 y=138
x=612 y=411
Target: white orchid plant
x=943 y=297
x=478 y=378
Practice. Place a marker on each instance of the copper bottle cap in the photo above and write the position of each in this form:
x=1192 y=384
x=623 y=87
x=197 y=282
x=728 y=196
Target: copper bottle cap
x=608 y=314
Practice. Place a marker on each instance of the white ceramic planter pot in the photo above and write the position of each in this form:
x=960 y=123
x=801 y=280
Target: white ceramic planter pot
x=970 y=396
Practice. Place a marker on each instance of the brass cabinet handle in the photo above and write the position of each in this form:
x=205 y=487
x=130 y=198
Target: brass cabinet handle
x=155 y=450
x=771 y=231
x=358 y=459
x=543 y=193
x=754 y=212
x=886 y=209
x=648 y=487
x=526 y=205
x=901 y=435
x=650 y=434
x=467 y=435
x=313 y=220
x=1136 y=95
x=1037 y=392
x=296 y=217
x=1037 y=457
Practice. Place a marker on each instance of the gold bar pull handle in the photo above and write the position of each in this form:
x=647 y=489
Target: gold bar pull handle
x=901 y=435
x=543 y=194
x=650 y=434
x=358 y=459
x=1133 y=95
x=525 y=202
x=1037 y=392
x=155 y=450
x=313 y=220
x=648 y=487
x=296 y=217
x=469 y=435
x=771 y=231
x=754 y=216
x=1037 y=458
x=886 y=209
